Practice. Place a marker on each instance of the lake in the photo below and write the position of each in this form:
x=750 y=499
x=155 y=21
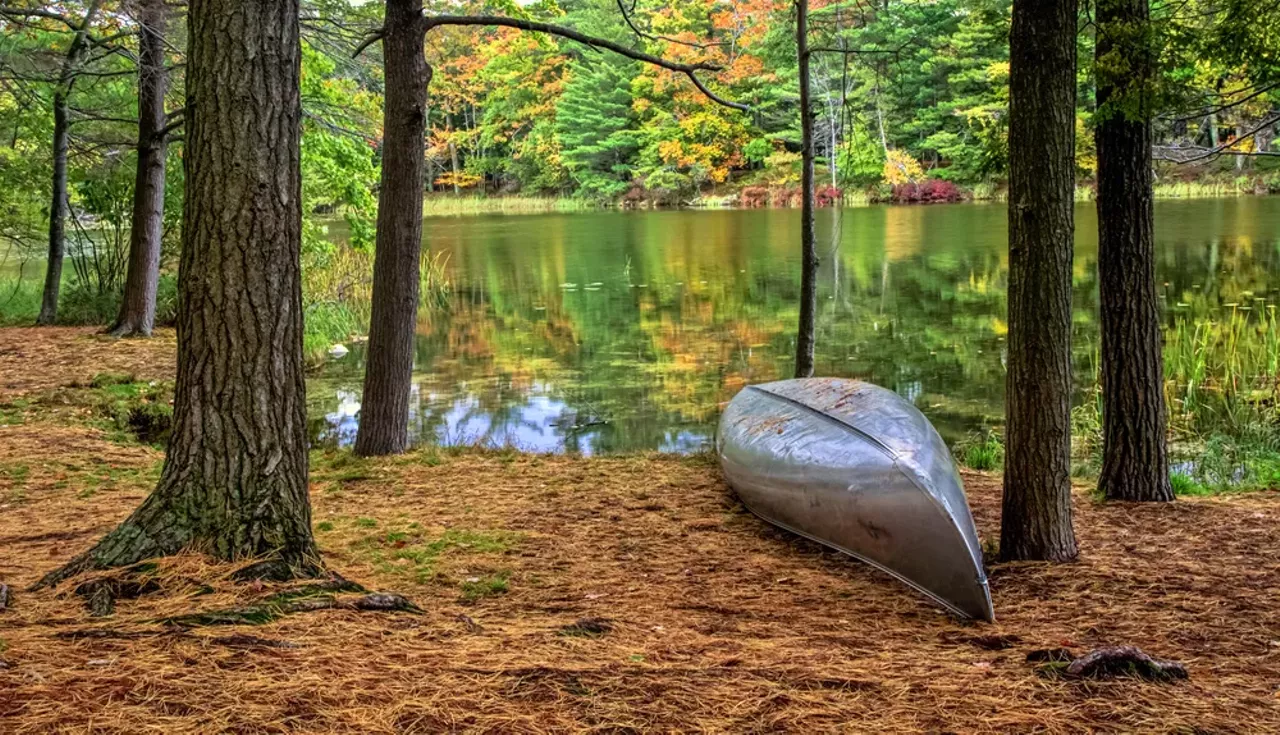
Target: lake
x=623 y=331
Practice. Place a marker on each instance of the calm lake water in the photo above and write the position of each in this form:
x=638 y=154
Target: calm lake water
x=622 y=331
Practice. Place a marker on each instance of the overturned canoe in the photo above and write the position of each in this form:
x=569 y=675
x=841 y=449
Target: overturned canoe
x=857 y=468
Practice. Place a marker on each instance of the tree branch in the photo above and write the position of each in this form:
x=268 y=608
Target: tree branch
x=1228 y=105
x=689 y=70
x=569 y=33
x=1225 y=148
x=626 y=15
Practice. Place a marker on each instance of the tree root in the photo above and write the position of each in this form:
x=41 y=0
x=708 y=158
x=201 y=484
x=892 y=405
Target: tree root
x=588 y=628
x=100 y=595
x=278 y=570
x=289 y=602
x=237 y=640
x=1108 y=663
x=122 y=329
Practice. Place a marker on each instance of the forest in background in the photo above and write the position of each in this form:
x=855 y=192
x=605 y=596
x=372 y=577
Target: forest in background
x=910 y=105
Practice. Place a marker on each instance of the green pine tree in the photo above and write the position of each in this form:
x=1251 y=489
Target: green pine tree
x=597 y=128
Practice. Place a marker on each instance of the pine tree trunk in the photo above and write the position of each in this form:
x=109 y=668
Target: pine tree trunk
x=384 y=409
x=138 y=303
x=61 y=138
x=1036 y=518
x=453 y=156
x=57 y=214
x=808 y=244
x=1135 y=463
x=234 y=483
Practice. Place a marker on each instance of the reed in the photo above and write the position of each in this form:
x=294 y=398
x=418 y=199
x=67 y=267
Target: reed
x=1199 y=189
x=1222 y=386
x=454 y=206
x=337 y=295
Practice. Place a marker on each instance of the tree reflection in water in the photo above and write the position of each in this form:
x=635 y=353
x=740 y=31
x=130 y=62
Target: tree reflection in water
x=622 y=331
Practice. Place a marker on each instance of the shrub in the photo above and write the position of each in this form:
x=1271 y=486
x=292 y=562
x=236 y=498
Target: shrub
x=931 y=191
x=981 y=451
x=755 y=197
x=826 y=196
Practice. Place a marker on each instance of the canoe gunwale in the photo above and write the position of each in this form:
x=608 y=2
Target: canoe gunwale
x=952 y=608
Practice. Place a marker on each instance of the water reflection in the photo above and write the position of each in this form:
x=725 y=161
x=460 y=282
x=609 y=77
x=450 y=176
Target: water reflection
x=621 y=331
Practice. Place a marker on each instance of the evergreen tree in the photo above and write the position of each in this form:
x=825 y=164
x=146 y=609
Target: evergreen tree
x=596 y=127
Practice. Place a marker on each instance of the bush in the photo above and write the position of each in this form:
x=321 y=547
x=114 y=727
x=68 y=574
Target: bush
x=83 y=304
x=931 y=191
x=754 y=197
x=981 y=451
x=826 y=196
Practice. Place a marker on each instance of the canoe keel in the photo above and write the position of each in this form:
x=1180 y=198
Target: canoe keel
x=856 y=467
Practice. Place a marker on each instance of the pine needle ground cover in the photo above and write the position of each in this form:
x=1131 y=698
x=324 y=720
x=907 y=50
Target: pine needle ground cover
x=629 y=594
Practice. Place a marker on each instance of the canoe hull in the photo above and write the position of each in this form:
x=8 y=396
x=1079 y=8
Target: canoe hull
x=857 y=468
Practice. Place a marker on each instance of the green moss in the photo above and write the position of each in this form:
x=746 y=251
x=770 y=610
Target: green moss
x=405 y=551
x=477 y=588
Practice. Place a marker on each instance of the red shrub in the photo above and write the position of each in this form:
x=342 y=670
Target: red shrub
x=931 y=191
x=826 y=196
x=754 y=197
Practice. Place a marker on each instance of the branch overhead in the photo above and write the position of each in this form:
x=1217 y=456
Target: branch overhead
x=689 y=70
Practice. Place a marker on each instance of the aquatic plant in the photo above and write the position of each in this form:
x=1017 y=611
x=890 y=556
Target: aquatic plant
x=337 y=294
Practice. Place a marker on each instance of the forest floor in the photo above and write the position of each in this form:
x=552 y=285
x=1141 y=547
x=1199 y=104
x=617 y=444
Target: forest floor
x=629 y=594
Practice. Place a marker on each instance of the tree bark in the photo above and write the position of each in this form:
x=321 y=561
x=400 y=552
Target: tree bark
x=234 y=483
x=58 y=197
x=1036 y=514
x=1135 y=463
x=57 y=214
x=808 y=244
x=384 y=409
x=138 y=303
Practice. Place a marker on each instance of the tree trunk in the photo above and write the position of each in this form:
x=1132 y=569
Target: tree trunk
x=1240 y=157
x=453 y=155
x=1036 y=518
x=1135 y=463
x=234 y=483
x=138 y=303
x=57 y=214
x=808 y=245
x=384 y=409
x=58 y=197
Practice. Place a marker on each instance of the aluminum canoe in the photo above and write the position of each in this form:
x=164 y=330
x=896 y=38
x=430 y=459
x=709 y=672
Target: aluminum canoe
x=858 y=468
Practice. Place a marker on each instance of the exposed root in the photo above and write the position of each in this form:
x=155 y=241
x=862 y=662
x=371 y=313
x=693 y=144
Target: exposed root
x=100 y=594
x=588 y=628
x=288 y=602
x=278 y=570
x=241 y=640
x=1108 y=663
x=126 y=329
x=236 y=640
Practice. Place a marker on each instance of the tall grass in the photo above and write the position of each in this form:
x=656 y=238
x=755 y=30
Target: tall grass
x=1222 y=384
x=443 y=205
x=78 y=304
x=337 y=295
x=1222 y=388
x=1199 y=189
